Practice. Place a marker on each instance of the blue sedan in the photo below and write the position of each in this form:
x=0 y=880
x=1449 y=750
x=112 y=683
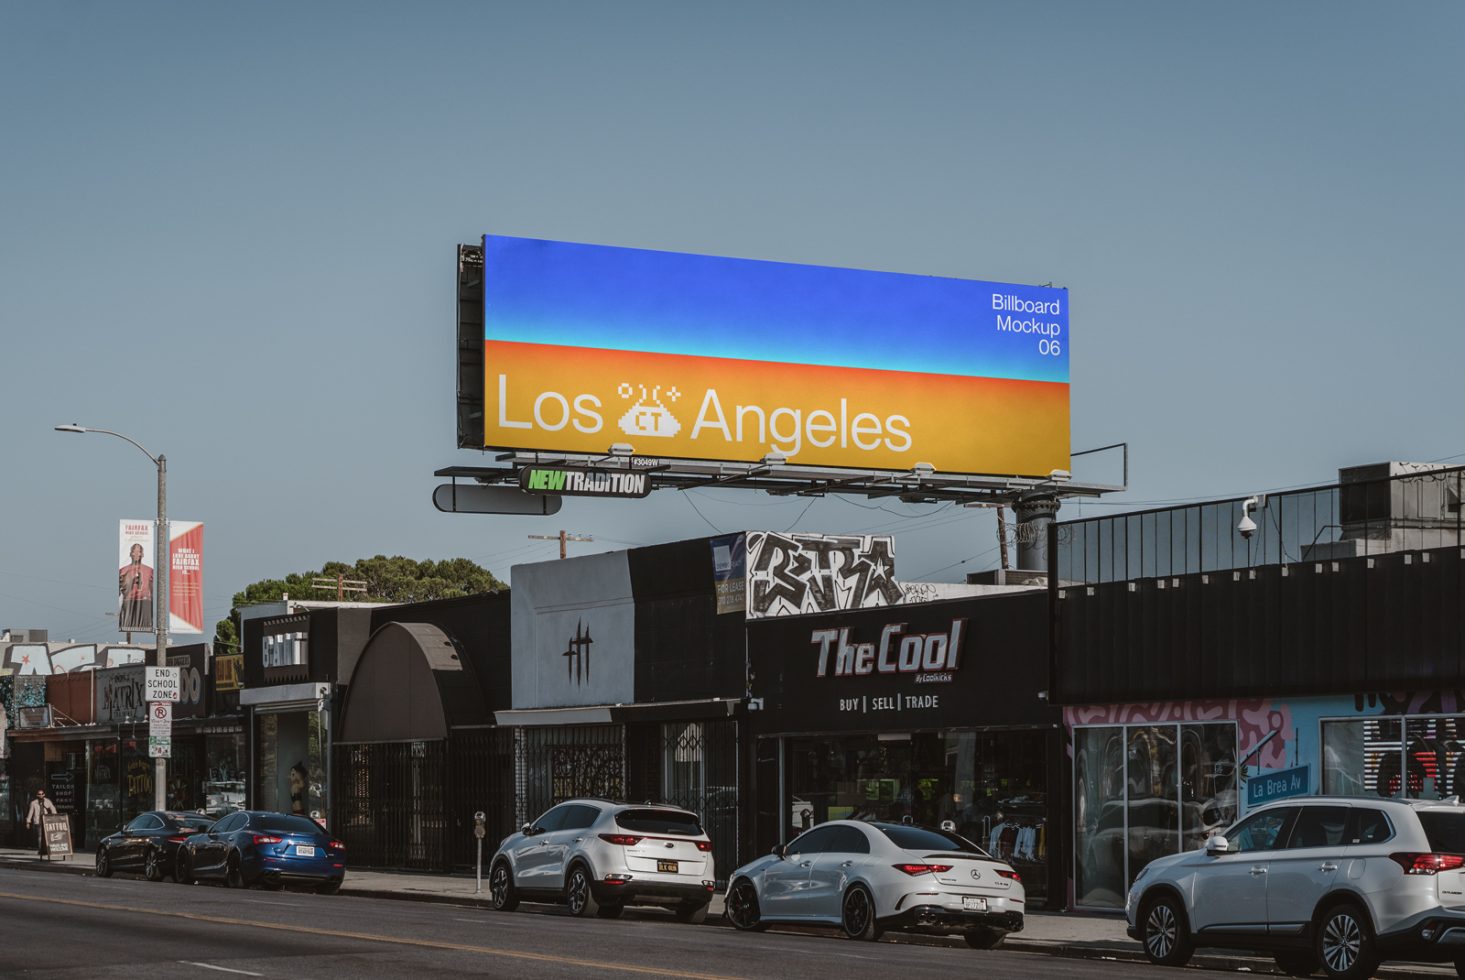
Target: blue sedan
x=260 y=847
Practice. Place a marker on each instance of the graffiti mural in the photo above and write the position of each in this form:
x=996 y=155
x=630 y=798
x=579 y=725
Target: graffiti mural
x=63 y=658
x=790 y=574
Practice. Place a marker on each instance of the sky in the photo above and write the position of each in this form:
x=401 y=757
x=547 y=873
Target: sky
x=229 y=231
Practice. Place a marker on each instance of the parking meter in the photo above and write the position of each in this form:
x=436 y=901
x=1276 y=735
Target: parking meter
x=480 y=831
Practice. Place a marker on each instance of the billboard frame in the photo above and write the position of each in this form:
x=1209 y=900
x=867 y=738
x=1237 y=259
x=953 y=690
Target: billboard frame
x=773 y=474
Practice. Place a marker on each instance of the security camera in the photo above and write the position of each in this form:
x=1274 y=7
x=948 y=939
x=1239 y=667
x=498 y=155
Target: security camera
x=1246 y=525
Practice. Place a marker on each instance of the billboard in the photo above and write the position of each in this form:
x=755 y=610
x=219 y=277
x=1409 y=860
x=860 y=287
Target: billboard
x=700 y=357
x=135 y=576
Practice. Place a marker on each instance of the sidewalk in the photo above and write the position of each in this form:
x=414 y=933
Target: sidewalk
x=1076 y=935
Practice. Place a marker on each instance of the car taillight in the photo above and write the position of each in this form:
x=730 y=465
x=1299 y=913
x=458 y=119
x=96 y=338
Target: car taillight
x=704 y=845
x=336 y=845
x=625 y=840
x=922 y=869
x=1004 y=873
x=1427 y=864
x=265 y=839
x=176 y=840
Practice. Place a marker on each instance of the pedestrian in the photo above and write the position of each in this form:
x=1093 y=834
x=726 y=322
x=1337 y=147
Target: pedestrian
x=40 y=806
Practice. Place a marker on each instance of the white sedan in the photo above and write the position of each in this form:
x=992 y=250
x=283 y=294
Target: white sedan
x=869 y=877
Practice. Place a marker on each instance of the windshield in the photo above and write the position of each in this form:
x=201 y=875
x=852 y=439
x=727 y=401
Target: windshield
x=924 y=839
x=659 y=822
x=285 y=824
x=189 y=821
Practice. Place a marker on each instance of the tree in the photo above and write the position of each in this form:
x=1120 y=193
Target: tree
x=394 y=579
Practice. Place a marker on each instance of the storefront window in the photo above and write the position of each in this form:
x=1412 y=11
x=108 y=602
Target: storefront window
x=291 y=757
x=223 y=785
x=1361 y=757
x=1370 y=757
x=1098 y=772
x=992 y=787
x=1142 y=792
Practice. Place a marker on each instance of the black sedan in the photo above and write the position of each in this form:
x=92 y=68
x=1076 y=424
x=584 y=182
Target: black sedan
x=149 y=843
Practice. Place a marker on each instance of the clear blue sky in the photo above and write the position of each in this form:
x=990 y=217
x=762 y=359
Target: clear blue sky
x=228 y=230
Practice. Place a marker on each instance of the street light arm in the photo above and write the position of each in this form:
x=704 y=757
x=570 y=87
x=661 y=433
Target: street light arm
x=108 y=432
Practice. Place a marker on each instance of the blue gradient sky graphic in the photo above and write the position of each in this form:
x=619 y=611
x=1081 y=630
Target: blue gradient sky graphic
x=612 y=298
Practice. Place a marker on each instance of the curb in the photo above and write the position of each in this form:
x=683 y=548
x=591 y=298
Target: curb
x=1102 y=950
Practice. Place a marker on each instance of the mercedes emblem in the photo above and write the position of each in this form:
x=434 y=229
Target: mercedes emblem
x=976 y=873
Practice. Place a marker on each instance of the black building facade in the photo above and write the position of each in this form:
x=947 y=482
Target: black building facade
x=928 y=713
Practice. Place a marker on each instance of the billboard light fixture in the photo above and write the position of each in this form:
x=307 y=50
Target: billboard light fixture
x=1060 y=476
x=924 y=470
x=621 y=449
x=774 y=459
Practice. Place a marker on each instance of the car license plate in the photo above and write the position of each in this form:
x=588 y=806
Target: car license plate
x=305 y=850
x=670 y=866
x=972 y=903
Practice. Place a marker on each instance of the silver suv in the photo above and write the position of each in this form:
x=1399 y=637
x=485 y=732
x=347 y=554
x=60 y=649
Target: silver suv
x=597 y=857
x=1326 y=883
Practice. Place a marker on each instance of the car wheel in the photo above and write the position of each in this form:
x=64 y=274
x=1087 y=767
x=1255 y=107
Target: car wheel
x=233 y=874
x=1296 y=963
x=610 y=911
x=329 y=887
x=984 y=938
x=183 y=868
x=152 y=865
x=578 y=893
x=1166 y=935
x=741 y=908
x=104 y=863
x=1344 y=943
x=692 y=914
x=858 y=915
x=502 y=894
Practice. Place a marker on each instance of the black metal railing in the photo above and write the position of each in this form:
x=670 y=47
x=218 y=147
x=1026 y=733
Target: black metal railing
x=1370 y=512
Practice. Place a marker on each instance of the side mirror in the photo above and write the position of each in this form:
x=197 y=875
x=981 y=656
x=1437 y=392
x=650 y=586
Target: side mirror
x=527 y=830
x=1217 y=845
x=779 y=850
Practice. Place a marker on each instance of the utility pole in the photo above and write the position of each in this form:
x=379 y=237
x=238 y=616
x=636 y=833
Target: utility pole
x=342 y=585
x=564 y=538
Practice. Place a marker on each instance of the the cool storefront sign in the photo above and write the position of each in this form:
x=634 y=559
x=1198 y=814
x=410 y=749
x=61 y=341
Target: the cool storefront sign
x=700 y=357
x=931 y=665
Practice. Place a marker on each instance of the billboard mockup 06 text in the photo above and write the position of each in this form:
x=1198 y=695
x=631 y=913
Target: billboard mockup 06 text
x=700 y=357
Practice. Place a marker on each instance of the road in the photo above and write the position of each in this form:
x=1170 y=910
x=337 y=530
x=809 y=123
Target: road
x=58 y=926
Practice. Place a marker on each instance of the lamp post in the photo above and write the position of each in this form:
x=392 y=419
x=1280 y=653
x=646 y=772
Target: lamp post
x=162 y=564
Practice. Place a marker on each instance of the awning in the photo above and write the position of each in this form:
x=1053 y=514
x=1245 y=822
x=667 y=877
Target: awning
x=620 y=714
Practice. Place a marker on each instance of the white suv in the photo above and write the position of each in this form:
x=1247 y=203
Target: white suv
x=597 y=857
x=1337 y=884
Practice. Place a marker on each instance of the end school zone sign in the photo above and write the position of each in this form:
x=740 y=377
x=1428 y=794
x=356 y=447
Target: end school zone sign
x=583 y=481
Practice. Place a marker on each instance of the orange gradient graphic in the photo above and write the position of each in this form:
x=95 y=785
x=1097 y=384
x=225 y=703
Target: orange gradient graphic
x=581 y=400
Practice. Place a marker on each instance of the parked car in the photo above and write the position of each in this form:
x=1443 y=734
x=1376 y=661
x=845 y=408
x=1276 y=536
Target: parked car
x=1335 y=884
x=261 y=847
x=597 y=857
x=148 y=843
x=870 y=877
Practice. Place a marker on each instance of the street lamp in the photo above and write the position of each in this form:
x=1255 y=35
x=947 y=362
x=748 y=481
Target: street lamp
x=162 y=563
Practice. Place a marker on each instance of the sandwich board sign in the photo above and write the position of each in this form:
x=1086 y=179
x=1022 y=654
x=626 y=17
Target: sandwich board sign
x=56 y=827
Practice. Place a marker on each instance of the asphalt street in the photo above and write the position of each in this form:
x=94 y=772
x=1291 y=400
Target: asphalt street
x=72 y=926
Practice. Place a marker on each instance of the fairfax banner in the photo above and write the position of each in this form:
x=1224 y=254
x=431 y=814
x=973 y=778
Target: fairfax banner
x=135 y=576
x=700 y=357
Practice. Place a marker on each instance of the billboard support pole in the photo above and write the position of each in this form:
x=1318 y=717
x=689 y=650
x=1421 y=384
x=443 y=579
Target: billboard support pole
x=160 y=617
